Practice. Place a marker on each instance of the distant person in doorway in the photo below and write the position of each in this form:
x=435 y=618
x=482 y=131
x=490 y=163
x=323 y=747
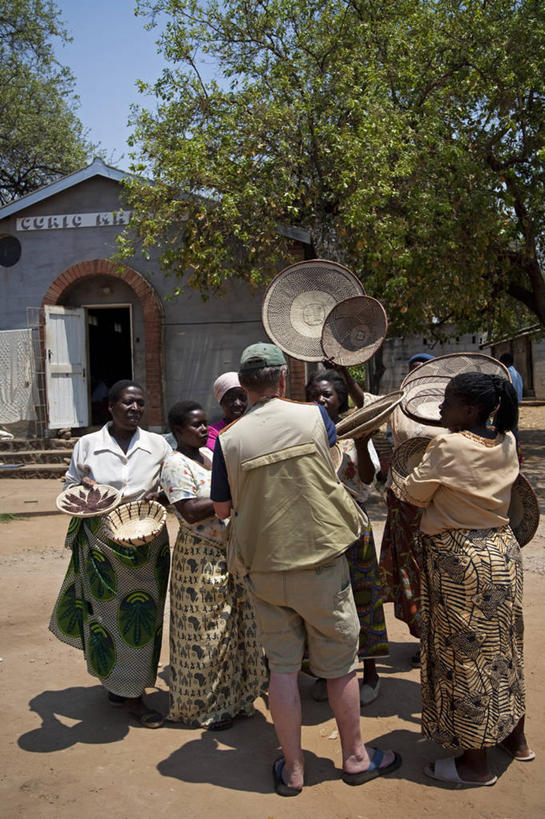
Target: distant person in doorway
x=232 y=398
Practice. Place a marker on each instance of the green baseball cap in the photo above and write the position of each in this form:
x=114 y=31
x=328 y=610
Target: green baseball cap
x=261 y=355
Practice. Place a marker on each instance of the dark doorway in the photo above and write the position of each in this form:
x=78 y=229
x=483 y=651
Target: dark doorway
x=110 y=355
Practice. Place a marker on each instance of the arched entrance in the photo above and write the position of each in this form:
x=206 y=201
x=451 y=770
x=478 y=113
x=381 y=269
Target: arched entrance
x=100 y=270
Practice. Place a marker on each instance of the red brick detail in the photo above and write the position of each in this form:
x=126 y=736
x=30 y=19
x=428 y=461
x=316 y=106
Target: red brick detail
x=296 y=379
x=153 y=321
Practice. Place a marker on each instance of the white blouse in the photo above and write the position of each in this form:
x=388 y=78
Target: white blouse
x=99 y=456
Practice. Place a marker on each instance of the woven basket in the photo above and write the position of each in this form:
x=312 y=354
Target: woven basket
x=81 y=501
x=523 y=510
x=136 y=523
x=423 y=397
x=406 y=457
x=299 y=299
x=370 y=417
x=354 y=330
x=456 y=363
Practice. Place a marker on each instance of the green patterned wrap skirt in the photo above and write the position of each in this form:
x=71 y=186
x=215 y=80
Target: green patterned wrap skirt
x=471 y=655
x=111 y=605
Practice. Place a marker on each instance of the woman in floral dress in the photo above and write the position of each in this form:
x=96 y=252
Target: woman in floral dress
x=359 y=466
x=217 y=668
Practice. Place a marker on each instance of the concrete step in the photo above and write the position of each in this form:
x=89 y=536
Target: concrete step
x=24 y=444
x=36 y=456
x=33 y=471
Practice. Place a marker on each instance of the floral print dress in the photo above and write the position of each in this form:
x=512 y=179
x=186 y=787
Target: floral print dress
x=217 y=668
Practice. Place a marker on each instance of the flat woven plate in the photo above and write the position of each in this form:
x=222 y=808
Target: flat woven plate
x=299 y=299
x=407 y=456
x=456 y=363
x=88 y=502
x=354 y=330
x=523 y=510
x=136 y=523
x=370 y=417
x=423 y=397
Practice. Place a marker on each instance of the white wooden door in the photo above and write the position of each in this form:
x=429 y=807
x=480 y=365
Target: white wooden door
x=66 y=367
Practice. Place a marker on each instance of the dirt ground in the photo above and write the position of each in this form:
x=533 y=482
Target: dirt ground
x=67 y=753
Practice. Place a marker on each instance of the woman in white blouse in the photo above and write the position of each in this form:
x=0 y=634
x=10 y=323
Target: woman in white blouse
x=112 y=599
x=216 y=663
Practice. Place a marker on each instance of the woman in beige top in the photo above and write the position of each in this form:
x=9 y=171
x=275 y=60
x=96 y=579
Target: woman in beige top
x=473 y=694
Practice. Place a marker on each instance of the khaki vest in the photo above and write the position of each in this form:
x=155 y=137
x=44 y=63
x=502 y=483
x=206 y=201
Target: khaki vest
x=290 y=511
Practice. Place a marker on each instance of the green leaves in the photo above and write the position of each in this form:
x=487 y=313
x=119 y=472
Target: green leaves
x=41 y=137
x=404 y=138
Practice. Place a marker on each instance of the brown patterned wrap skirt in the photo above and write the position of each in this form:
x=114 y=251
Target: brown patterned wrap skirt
x=472 y=673
x=217 y=667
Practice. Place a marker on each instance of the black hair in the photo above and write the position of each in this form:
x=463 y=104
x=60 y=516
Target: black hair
x=490 y=392
x=178 y=413
x=116 y=389
x=507 y=359
x=338 y=383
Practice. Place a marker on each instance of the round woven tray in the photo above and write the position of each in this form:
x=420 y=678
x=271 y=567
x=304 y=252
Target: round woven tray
x=404 y=427
x=368 y=418
x=354 y=330
x=136 y=523
x=423 y=397
x=88 y=501
x=406 y=457
x=299 y=299
x=523 y=510
x=456 y=363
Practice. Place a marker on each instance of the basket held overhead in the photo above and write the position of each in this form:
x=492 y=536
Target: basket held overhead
x=354 y=330
x=299 y=299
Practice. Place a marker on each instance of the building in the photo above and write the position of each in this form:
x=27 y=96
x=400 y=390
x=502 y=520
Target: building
x=100 y=322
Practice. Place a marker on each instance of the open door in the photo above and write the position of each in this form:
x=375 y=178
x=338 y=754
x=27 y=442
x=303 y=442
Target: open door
x=65 y=367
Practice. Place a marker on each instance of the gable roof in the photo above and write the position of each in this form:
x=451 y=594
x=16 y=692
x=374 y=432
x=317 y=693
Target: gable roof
x=96 y=168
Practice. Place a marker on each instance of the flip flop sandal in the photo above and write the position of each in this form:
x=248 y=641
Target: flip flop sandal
x=148 y=718
x=374 y=770
x=280 y=786
x=220 y=725
x=445 y=770
x=528 y=758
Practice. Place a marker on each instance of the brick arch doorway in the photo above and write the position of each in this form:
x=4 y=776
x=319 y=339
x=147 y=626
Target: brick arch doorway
x=59 y=292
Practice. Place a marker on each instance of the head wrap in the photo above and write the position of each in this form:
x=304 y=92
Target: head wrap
x=420 y=358
x=223 y=383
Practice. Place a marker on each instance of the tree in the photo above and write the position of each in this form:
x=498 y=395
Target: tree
x=405 y=136
x=41 y=137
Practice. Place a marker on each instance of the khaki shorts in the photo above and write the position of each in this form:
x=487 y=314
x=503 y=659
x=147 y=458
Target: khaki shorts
x=313 y=608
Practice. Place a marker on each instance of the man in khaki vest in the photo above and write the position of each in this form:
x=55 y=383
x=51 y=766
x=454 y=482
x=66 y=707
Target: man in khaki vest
x=291 y=522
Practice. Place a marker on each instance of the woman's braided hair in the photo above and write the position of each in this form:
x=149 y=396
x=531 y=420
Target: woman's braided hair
x=494 y=394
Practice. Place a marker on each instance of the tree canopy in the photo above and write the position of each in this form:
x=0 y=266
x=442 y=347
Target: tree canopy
x=41 y=137
x=406 y=137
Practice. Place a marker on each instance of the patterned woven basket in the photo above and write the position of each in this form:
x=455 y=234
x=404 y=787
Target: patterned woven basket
x=407 y=456
x=136 y=523
x=354 y=330
x=298 y=300
x=369 y=417
x=523 y=510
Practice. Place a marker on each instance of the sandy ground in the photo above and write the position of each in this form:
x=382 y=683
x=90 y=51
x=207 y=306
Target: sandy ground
x=67 y=753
